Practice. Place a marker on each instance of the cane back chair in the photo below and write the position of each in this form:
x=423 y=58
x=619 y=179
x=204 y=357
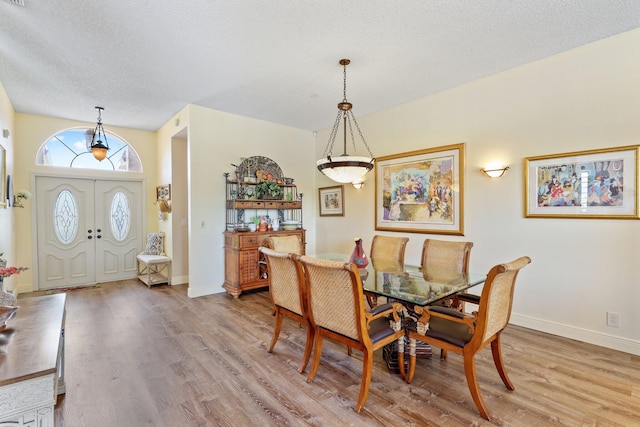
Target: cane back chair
x=467 y=334
x=288 y=293
x=337 y=311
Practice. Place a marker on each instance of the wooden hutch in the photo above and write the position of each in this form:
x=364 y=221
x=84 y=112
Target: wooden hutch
x=243 y=267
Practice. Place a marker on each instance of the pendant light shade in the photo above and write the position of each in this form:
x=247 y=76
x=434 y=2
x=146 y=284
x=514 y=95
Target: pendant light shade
x=99 y=144
x=345 y=168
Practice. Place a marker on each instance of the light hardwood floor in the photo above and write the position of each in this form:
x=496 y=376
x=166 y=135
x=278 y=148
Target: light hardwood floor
x=137 y=356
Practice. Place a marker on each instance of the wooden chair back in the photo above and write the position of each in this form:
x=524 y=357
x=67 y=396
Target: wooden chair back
x=288 y=244
x=335 y=297
x=388 y=248
x=444 y=254
x=496 y=300
x=286 y=281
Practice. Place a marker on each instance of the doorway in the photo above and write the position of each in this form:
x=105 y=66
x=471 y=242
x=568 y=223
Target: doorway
x=88 y=230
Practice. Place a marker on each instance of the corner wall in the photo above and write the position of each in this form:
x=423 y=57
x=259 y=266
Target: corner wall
x=216 y=140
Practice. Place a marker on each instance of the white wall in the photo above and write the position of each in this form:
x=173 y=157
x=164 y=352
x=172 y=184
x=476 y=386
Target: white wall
x=216 y=140
x=583 y=99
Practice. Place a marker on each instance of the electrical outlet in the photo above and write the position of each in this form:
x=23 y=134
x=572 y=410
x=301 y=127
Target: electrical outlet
x=613 y=319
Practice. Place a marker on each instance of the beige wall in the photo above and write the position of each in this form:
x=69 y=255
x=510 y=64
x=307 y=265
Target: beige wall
x=7 y=216
x=215 y=141
x=33 y=130
x=583 y=99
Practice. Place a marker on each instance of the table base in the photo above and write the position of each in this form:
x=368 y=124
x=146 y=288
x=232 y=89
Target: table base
x=390 y=354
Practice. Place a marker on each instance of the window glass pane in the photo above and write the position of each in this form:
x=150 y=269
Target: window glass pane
x=70 y=148
x=120 y=216
x=65 y=217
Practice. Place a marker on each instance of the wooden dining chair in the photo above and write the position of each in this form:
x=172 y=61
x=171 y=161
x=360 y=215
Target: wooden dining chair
x=446 y=255
x=287 y=244
x=288 y=293
x=467 y=334
x=387 y=254
x=337 y=311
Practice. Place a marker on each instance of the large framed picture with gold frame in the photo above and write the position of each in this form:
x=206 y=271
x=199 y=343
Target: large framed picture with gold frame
x=421 y=191
x=594 y=184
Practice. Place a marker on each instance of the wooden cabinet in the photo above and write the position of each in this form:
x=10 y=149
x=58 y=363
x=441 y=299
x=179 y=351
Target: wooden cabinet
x=243 y=268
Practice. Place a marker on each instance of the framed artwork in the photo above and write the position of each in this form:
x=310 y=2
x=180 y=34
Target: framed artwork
x=3 y=176
x=421 y=191
x=163 y=192
x=595 y=184
x=331 y=201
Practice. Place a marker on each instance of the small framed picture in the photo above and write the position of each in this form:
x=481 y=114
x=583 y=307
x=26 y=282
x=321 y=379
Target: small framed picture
x=331 y=201
x=163 y=192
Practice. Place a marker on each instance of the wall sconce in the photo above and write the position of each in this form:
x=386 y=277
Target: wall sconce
x=495 y=173
x=358 y=184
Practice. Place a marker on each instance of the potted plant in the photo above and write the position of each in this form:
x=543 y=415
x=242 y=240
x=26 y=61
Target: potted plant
x=268 y=190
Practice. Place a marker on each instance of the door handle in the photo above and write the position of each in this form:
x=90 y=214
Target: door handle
x=89 y=237
x=89 y=231
x=99 y=236
x=99 y=230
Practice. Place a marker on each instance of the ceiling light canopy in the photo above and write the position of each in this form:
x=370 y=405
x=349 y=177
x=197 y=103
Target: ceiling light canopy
x=99 y=144
x=345 y=168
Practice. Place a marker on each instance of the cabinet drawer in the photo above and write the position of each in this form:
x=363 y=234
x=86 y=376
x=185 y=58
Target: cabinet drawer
x=258 y=205
x=271 y=205
x=248 y=240
x=244 y=204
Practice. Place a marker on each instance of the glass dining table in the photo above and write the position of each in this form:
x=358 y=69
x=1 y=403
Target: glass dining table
x=411 y=286
x=408 y=284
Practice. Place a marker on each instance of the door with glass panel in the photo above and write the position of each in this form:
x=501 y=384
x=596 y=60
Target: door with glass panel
x=88 y=231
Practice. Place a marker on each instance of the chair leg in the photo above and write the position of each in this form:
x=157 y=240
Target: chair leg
x=276 y=330
x=496 y=350
x=443 y=353
x=317 y=353
x=367 y=367
x=307 y=349
x=474 y=388
x=348 y=350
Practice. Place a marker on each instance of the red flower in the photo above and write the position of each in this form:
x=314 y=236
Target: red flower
x=10 y=271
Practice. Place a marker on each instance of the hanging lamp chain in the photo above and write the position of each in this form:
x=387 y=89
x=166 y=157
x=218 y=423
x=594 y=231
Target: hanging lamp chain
x=345 y=113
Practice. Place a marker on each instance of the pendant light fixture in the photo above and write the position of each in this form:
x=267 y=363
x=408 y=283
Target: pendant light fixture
x=99 y=145
x=345 y=168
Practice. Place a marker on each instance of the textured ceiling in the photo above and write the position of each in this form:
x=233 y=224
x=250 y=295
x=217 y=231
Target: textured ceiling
x=275 y=60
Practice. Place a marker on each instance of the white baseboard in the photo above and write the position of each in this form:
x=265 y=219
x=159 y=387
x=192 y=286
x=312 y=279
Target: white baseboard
x=598 y=338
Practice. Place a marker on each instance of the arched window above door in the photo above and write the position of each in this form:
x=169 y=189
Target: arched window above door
x=70 y=148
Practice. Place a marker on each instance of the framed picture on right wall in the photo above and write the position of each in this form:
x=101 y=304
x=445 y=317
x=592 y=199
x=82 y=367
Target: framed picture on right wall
x=593 y=184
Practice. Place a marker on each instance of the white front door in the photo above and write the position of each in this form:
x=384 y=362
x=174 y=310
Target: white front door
x=88 y=230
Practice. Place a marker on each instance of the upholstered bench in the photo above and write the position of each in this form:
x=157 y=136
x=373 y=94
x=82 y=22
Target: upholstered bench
x=153 y=266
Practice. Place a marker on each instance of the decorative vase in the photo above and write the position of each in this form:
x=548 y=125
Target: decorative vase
x=358 y=257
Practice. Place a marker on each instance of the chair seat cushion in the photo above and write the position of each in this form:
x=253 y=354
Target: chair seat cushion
x=380 y=329
x=153 y=259
x=446 y=330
